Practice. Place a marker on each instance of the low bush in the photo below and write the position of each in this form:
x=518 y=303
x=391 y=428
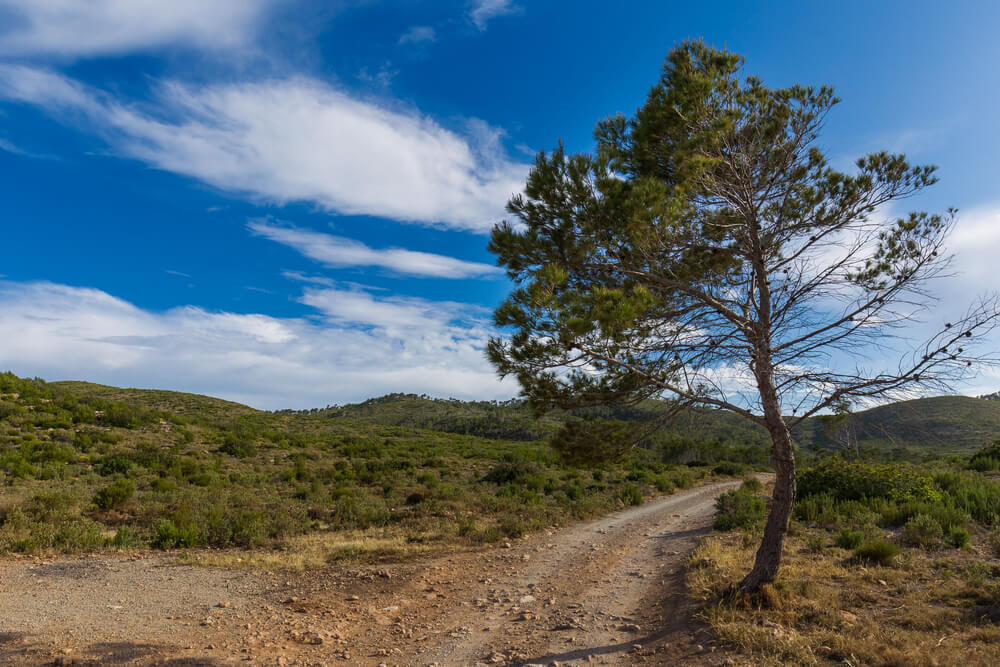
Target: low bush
x=958 y=537
x=849 y=539
x=922 y=530
x=126 y=538
x=664 y=484
x=238 y=447
x=729 y=468
x=986 y=459
x=860 y=481
x=739 y=508
x=115 y=494
x=511 y=470
x=629 y=495
x=877 y=551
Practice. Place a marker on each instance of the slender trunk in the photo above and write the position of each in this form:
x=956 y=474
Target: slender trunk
x=768 y=558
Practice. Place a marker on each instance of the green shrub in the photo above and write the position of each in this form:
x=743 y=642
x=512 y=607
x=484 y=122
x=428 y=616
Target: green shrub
x=739 y=508
x=115 y=494
x=729 y=468
x=971 y=493
x=753 y=485
x=126 y=538
x=359 y=511
x=664 y=484
x=683 y=479
x=816 y=543
x=986 y=459
x=629 y=495
x=878 y=551
x=124 y=415
x=417 y=497
x=860 y=481
x=170 y=535
x=115 y=464
x=958 y=537
x=238 y=447
x=994 y=540
x=512 y=526
x=511 y=470
x=922 y=530
x=849 y=539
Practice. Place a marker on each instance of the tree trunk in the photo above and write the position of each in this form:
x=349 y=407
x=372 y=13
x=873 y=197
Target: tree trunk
x=768 y=558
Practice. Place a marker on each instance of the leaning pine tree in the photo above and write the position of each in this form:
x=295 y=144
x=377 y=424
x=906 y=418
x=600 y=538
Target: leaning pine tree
x=707 y=253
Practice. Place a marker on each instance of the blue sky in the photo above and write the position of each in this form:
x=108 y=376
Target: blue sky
x=287 y=203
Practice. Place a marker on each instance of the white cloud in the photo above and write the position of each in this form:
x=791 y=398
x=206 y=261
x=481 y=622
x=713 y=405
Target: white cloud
x=337 y=251
x=68 y=28
x=975 y=243
x=418 y=34
x=296 y=140
x=313 y=280
x=360 y=346
x=483 y=10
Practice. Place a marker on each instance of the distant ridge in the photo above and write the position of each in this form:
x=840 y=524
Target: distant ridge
x=939 y=425
x=942 y=425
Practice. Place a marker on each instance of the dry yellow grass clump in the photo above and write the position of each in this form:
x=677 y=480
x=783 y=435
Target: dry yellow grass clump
x=927 y=608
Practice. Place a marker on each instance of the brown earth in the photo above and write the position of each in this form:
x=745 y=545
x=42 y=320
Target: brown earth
x=609 y=591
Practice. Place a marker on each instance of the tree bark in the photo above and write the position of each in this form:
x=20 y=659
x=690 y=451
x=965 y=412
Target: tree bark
x=768 y=558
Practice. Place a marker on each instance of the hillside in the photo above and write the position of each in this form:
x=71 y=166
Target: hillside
x=942 y=425
x=85 y=466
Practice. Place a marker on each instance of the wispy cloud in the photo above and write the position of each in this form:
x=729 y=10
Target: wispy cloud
x=296 y=140
x=176 y=273
x=10 y=147
x=71 y=28
x=312 y=280
x=359 y=346
x=482 y=11
x=337 y=251
x=418 y=34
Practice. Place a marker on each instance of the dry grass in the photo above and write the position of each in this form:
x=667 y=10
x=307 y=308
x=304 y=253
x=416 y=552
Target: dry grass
x=317 y=550
x=824 y=609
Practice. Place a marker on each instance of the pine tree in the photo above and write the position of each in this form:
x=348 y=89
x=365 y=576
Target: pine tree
x=706 y=252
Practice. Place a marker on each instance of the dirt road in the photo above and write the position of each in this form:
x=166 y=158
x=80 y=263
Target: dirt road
x=608 y=592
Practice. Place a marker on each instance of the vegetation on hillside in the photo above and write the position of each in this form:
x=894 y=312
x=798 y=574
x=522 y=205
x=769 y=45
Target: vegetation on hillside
x=85 y=466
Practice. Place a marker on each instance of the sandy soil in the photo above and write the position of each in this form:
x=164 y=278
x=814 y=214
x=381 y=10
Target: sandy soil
x=609 y=591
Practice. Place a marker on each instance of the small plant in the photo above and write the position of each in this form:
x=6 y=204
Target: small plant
x=849 y=539
x=995 y=541
x=664 y=484
x=816 y=543
x=629 y=495
x=126 y=538
x=878 y=551
x=115 y=494
x=923 y=531
x=170 y=535
x=729 y=468
x=958 y=537
x=753 y=485
x=238 y=448
x=739 y=508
